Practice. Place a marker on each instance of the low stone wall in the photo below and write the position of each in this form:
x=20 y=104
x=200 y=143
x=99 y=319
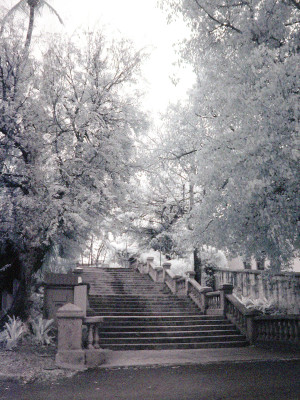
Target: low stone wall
x=60 y=289
x=282 y=287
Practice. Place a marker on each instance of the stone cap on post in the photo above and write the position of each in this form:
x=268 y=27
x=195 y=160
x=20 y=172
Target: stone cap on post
x=78 y=270
x=53 y=279
x=69 y=310
x=190 y=274
x=226 y=287
x=166 y=265
x=206 y=289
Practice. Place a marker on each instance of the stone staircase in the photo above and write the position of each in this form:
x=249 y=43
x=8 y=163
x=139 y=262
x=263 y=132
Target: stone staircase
x=140 y=314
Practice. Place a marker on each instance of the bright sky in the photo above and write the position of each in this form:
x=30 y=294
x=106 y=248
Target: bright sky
x=144 y=23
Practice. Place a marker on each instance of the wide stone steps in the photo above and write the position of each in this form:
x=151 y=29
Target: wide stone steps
x=140 y=314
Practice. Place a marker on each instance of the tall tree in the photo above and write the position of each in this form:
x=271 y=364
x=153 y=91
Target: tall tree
x=64 y=148
x=245 y=55
x=34 y=7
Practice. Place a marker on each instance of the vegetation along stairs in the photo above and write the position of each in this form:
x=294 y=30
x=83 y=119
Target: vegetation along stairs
x=141 y=314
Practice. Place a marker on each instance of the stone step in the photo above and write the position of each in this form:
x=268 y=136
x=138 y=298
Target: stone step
x=140 y=301
x=171 y=345
x=158 y=319
x=173 y=339
x=141 y=313
x=166 y=328
x=143 y=308
x=166 y=334
x=129 y=297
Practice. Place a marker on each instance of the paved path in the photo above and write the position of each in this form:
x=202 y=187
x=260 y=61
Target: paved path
x=195 y=356
x=250 y=381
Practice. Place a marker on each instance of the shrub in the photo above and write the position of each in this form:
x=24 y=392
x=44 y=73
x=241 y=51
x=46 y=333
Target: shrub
x=209 y=275
x=265 y=306
x=13 y=332
x=42 y=329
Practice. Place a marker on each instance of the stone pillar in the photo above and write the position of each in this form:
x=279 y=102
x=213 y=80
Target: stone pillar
x=165 y=266
x=149 y=261
x=70 y=353
x=78 y=270
x=80 y=297
x=251 y=327
x=189 y=275
x=204 y=299
x=225 y=289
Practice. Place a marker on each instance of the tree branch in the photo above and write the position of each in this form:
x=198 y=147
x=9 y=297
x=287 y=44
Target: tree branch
x=224 y=24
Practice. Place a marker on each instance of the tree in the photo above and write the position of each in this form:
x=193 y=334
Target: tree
x=67 y=127
x=245 y=55
x=34 y=6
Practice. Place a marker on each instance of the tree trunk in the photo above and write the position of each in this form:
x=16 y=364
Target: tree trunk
x=29 y=31
x=197 y=266
x=30 y=262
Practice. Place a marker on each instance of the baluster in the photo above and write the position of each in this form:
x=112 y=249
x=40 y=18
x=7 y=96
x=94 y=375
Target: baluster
x=271 y=325
x=259 y=331
x=96 y=337
x=282 y=330
x=286 y=330
x=280 y=327
x=291 y=330
x=90 y=336
x=277 y=333
x=263 y=331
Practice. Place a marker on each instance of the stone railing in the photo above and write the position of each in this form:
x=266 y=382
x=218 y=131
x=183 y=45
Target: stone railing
x=255 y=327
x=214 y=302
x=71 y=353
x=277 y=328
x=93 y=324
x=156 y=274
x=240 y=316
x=280 y=287
x=176 y=283
x=262 y=328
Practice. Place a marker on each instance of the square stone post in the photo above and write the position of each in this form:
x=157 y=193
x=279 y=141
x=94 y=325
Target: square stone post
x=251 y=327
x=189 y=275
x=204 y=299
x=70 y=353
x=80 y=297
x=149 y=261
x=165 y=266
x=224 y=289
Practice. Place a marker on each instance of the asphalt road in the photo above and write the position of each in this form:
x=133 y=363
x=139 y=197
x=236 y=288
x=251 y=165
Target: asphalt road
x=259 y=381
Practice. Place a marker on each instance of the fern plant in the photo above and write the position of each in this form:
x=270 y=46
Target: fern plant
x=41 y=329
x=262 y=305
x=13 y=332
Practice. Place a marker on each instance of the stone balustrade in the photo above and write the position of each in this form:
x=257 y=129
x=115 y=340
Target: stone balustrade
x=71 y=353
x=276 y=328
x=221 y=302
x=71 y=318
x=280 y=287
